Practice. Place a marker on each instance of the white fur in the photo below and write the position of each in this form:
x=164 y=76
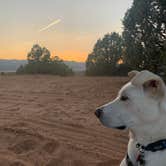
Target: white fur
x=144 y=114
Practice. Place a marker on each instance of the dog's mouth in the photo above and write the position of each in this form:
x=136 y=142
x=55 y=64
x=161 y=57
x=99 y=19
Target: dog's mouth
x=120 y=127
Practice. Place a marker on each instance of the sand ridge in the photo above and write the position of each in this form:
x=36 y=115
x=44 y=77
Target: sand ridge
x=49 y=121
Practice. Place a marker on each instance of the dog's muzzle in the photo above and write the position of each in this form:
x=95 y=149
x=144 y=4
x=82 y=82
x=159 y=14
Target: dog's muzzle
x=99 y=112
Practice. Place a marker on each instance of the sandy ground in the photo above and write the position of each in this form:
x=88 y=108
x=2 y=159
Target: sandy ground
x=49 y=121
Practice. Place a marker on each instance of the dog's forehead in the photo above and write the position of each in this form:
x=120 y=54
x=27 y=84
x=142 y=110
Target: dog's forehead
x=144 y=76
x=128 y=88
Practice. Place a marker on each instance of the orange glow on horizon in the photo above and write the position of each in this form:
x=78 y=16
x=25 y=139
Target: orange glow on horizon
x=69 y=55
x=64 y=28
x=72 y=55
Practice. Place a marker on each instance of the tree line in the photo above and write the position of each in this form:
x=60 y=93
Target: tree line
x=41 y=62
x=142 y=44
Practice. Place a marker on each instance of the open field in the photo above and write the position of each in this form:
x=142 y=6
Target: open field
x=49 y=121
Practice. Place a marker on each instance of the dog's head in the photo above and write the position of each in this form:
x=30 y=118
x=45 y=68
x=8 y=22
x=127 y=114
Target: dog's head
x=139 y=103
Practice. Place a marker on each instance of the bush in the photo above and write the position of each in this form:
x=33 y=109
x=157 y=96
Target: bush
x=58 y=68
x=122 y=70
x=39 y=62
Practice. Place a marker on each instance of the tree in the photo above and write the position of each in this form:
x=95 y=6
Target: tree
x=145 y=35
x=46 y=56
x=35 y=54
x=105 y=55
x=40 y=62
x=38 y=54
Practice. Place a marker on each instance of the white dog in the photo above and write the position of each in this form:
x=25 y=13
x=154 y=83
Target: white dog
x=140 y=107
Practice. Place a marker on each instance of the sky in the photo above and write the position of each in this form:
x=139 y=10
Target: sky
x=68 y=28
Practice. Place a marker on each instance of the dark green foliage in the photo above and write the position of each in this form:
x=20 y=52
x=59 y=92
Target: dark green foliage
x=105 y=56
x=38 y=54
x=145 y=35
x=142 y=45
x=39 y=62
x=56 y=68
x=122 y=69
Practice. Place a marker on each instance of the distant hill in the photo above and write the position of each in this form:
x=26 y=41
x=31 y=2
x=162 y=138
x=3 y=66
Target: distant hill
x=76 y=66
x=12 y=65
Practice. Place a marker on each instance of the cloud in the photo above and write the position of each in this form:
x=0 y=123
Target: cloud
x=50 y=25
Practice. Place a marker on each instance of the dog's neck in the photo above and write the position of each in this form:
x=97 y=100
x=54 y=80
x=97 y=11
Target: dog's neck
x=155 y=131
x=146 y=136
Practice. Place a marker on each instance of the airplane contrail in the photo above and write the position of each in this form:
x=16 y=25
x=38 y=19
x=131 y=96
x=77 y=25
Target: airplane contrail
x=50 y=25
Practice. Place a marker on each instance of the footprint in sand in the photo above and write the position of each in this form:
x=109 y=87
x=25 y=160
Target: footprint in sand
x=79 y=162
x=24 y=146
x=51 y=146
x=53 y=162
x=17 y=163
x=112 y=162
x=60 y=162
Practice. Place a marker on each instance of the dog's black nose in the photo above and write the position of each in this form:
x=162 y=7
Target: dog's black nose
x=98 y=112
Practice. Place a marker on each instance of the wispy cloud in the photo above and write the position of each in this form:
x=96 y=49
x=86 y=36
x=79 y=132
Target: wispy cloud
x=50 y=25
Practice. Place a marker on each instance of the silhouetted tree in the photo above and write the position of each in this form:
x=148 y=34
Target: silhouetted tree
x=145 y=34
x=38 y=54
x=35 y=54
x=46 y=56
x=105 y=56
x=40 y=62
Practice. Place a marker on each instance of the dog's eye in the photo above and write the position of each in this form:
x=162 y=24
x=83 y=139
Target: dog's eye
x=124 y=98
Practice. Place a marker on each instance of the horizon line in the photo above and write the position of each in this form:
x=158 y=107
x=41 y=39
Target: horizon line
x=26 y=60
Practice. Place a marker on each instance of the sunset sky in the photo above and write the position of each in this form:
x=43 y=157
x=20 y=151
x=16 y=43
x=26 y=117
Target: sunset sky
x=68 y=28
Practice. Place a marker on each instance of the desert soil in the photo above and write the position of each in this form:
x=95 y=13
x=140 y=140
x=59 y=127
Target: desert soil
x=49 y=121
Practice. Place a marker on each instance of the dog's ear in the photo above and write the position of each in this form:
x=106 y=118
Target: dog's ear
x=133 y=73
x=154 y=88
x=151 y=83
